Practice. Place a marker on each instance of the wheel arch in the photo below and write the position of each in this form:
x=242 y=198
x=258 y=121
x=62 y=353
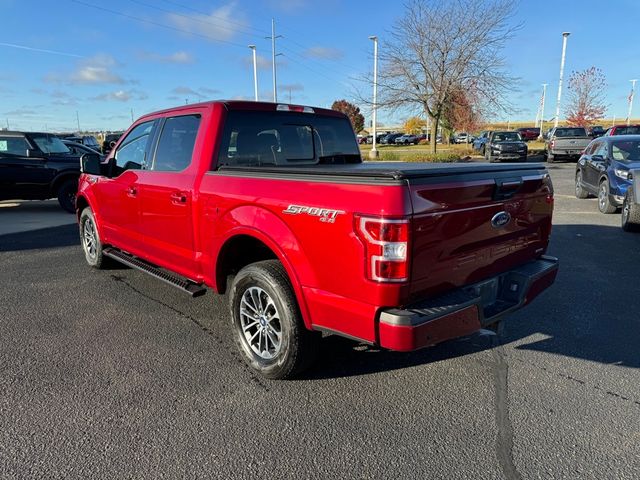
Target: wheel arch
x=248 y=244
x=61 y=178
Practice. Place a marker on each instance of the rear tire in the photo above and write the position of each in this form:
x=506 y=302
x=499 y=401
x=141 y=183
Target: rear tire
x=604 y=202
x=580 y=191
x=67 y=195
x=90 y=240
x=267 y=324
x=630 y=213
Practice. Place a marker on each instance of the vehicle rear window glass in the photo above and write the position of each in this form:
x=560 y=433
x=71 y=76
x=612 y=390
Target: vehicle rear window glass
x=131 y=152
x=626 y=150
x=286 y=138
x=49 y=143
x=627 y=131
x=570 y=132
x=13 y=146
x=176 y=143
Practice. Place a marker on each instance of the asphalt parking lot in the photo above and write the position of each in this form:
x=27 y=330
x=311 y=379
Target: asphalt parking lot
x=112 y=374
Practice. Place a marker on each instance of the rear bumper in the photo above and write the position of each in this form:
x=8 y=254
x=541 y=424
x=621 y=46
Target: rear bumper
x=465 y=310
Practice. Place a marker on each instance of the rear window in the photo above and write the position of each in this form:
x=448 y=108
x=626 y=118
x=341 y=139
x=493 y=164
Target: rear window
x=627 y=130
x=570 y=132
x=286 y=138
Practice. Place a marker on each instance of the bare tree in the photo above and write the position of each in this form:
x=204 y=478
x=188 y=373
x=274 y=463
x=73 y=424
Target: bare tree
x=438 y=48
x=585 y=104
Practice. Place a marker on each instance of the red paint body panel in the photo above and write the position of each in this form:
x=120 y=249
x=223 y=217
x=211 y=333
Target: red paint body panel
x=451 y=244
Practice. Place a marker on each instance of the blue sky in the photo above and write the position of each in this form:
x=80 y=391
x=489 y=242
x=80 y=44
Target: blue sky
x=142 y=57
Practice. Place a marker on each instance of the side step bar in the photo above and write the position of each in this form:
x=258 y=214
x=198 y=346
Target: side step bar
x=187 y=286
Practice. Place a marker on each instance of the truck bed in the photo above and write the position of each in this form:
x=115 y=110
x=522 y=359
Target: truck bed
x=386 y=172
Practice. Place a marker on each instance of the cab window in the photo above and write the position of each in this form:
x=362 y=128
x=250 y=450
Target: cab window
x=131 y=153
x=176 y=143
x=13 y=146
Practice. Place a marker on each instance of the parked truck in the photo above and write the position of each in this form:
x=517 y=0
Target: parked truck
x=273 y=205
x=566 y=143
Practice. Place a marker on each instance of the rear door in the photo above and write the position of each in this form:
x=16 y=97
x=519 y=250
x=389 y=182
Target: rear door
x=118 y=204
x=595 y=164
x=166 y=193
x=468 y=227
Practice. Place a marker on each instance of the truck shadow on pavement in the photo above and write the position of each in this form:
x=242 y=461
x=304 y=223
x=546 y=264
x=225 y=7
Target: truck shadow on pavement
x=590 y=313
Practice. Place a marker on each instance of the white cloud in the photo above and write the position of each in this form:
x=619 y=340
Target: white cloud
x=293 y=87
x=180 y=57
x=221 y=24
x=182 y=92
x=263 y=63
x=95 y=70
x=324 y=53
x=122 y=96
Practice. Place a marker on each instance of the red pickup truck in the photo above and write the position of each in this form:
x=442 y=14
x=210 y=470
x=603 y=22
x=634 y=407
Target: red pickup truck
x=274 y=205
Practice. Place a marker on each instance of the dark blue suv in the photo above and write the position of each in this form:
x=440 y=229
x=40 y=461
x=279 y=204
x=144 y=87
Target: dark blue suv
x=603 y=170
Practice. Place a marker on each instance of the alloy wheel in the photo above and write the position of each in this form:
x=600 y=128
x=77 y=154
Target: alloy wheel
x=260 y=323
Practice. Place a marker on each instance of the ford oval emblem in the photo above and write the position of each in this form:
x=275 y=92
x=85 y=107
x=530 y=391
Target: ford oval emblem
x=500 y=219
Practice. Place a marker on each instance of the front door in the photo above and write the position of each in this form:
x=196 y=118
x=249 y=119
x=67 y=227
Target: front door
x=117 y=195
x=23 y=174
x=166 y=196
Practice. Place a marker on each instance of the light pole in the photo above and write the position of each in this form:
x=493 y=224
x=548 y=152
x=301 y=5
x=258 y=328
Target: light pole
x=255 y=73
x=565 y=35
x=544 y=95
x=631 y=95
x=273 y=58
x=374 y=153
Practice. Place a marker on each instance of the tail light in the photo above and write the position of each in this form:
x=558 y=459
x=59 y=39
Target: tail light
x=553 y=144
x=386 y=244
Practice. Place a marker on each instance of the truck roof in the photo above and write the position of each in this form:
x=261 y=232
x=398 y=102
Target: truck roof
x=246 y=105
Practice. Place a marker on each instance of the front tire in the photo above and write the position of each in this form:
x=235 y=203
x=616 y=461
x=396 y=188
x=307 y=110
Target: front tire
x=67 y=195
x=604 y=201
x=90 y=240
x=630 y=213
x=267 y=324
x=580 y=191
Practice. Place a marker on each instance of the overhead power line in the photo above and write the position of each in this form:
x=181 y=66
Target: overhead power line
x=157 y=24
x=215 y=23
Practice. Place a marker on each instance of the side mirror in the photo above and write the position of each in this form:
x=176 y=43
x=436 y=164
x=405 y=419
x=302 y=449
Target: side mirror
x=597 y=158
x=33 y=153
x=90 y=163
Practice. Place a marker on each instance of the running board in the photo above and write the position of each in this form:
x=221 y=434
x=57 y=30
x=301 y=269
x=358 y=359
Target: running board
x=187 y=286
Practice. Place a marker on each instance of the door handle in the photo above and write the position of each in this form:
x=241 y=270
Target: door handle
x=132 y=191
x=179 y=197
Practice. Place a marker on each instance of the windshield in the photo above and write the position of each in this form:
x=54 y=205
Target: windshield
x=626 y=150
x=49 y=143
x=571 y=132
x=287 y=138
x=507 y=137
x=635 y=130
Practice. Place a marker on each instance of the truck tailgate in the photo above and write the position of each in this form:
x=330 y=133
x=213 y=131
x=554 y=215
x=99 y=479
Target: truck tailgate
x=471 y=226
x=570 y=146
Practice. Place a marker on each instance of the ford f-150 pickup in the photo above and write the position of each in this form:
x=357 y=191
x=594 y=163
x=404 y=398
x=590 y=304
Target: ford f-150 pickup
x=273 y=205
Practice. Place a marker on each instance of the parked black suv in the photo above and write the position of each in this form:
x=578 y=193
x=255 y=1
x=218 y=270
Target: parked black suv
x=86 y=140
x=505 y=146
x=37 y=166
